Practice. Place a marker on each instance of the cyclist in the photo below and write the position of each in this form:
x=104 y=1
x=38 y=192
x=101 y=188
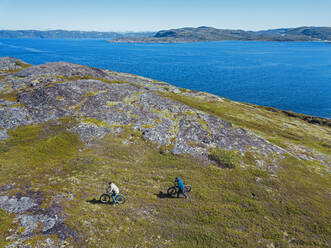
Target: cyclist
x=113 y=190
x=181 y=187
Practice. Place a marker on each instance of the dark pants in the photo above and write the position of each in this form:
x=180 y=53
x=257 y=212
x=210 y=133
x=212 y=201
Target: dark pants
x=181 y=191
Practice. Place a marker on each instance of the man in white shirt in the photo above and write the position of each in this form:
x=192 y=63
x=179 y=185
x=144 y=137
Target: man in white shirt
x=113 y=190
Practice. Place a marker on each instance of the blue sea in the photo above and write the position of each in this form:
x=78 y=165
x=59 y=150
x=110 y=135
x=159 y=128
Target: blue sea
x=287 y=75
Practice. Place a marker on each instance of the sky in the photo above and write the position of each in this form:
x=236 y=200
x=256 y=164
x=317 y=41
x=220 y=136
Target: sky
x=153 y=15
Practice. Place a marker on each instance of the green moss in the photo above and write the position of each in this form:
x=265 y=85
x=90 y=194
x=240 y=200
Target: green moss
x=133 y=116
x=250 y=158
x=16 y=105
x=39 y=149
x=111 y=103
x=326 y=144
x=12 y=96
x=75 y=107
x=151 y=125
x=22 y=64
x=164 y=149
x=95 y=122
x=7 y=226
x=131 y=98
x=165 y=114
x=193 y=143
x=75 y=78
x=93 y=93
x=227 y=158
x=321 y=228
x=279 y=142
x=204 y=124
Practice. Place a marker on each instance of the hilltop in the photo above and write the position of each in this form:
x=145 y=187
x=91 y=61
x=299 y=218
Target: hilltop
x=260 y=176
x=213 y=34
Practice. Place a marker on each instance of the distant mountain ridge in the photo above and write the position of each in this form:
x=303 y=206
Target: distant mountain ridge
x=67 y=34
x=204 y=33
x=187 y=34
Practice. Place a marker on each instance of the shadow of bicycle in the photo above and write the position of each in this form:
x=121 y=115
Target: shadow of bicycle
x=164 y=195
x=95 y=201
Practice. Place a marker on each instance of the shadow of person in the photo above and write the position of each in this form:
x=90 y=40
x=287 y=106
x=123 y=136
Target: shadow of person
x=163 y=195
x=95 y=201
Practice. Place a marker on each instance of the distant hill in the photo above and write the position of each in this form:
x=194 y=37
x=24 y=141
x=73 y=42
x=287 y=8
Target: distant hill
x=323 y=33
x=188 y=34
x=65 y=34
x=212 y=34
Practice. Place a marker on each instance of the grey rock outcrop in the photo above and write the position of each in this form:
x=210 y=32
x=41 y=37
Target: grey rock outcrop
x=62 y=69
x=11 y=64
x=107 y=102
x=30 y=215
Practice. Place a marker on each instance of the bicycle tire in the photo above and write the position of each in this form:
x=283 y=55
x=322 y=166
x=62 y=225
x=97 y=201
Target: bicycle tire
x=120 y=199
x=104 y=198
x=172 y=191
x=188 y=188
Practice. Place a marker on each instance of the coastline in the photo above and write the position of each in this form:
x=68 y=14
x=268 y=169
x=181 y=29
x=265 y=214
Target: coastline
x=200 y=41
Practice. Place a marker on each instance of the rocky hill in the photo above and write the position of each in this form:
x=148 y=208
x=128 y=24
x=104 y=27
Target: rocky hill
x=212 y=34
x=260 y=176
x=67 y=34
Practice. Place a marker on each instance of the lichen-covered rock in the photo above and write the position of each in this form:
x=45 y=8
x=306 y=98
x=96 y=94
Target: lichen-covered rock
x=62 y=69
x=110 y=100
x=11 y=64
x=16 y=205
x=31 y=216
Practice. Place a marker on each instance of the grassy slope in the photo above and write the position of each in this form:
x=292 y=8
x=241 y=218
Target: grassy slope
x=291 y=209
x=294 y=205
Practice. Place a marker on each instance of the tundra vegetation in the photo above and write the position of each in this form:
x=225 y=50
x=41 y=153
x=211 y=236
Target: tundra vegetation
x=260 y=177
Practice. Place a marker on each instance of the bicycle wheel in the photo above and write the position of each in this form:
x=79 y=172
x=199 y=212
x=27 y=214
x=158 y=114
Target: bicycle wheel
x=120 y=199
x=105 y=198
x=172 y=191
x=188 y=188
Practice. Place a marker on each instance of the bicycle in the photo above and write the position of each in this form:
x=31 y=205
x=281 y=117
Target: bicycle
x=105 y=198
x=174 y=189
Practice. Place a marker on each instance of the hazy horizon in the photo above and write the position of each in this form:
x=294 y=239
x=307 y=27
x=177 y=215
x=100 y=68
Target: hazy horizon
x=149 y=15
x=135 y=31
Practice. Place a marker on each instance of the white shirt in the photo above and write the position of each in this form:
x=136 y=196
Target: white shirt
x=114 y=188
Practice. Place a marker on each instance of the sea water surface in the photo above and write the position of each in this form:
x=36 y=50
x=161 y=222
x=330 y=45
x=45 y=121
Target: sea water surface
x=292 y=76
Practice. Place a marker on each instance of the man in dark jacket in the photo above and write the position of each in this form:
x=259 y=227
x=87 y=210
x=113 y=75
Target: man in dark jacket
x=181 y=187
